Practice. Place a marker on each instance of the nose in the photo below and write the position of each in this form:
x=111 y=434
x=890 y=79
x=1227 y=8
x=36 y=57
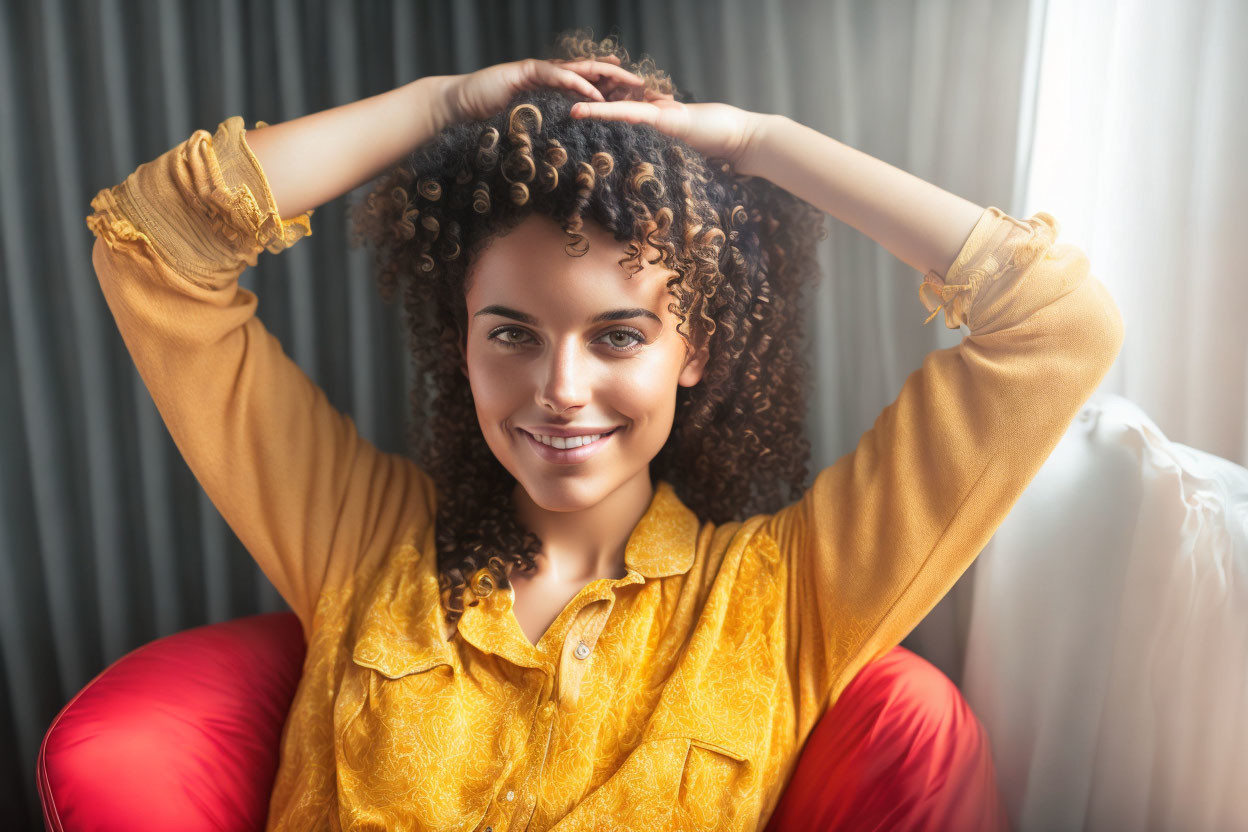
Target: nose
x=566 y=382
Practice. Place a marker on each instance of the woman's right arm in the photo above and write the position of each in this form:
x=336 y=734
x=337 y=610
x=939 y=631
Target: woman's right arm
x=307 y=496
x=314 y=158
x=310 y=160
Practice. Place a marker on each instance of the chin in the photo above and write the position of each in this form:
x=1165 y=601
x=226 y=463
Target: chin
x=553 y=492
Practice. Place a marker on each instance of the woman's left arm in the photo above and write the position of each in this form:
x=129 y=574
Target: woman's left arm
x=920 y=224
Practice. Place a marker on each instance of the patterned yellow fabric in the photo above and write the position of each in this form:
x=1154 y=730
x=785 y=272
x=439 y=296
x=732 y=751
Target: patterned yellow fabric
x=676 y=697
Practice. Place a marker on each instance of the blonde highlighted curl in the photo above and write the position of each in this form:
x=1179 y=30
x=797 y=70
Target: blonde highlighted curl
x=742 y=251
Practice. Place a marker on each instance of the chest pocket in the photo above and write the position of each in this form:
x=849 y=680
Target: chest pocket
x=409 y=754
x=709 y=783
x=670 y=782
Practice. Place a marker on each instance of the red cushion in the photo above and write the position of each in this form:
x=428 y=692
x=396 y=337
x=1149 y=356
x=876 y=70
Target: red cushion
x=182 y=733
x=900 y=750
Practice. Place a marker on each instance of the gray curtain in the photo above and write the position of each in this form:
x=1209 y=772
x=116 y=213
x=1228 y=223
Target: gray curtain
x=106 y=540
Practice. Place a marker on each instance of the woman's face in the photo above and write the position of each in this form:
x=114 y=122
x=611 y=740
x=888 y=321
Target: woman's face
x=556 y=341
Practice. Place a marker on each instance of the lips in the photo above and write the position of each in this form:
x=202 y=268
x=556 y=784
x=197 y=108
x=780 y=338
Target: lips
x=568 y=456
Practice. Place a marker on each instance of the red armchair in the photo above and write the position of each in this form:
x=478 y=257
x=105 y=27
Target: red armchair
x=183 y=733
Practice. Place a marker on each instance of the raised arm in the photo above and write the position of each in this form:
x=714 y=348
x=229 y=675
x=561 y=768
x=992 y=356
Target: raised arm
x=303 y=491
x=313 y=159
x=922 y=225
x=886 y=531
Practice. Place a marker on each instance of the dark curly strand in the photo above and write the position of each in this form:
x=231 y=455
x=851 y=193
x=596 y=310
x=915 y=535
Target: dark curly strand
x=741 y=248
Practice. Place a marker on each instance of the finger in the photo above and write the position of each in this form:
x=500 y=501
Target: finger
x=613 y=59
x=548 y=73
x=633 y=112
x=599 y=69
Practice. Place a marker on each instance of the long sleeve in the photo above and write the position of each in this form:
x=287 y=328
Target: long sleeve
x=303 y=491
x=885 y=531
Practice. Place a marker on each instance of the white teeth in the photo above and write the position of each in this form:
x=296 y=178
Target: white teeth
x=564 y=443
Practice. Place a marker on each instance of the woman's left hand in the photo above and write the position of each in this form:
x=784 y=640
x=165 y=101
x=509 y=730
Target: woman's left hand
x=718 y=130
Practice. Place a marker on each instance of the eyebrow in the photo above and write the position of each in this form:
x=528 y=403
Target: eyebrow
x=613 y=315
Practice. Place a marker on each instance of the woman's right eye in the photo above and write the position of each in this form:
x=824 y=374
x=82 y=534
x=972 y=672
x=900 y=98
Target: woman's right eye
x=494 y=336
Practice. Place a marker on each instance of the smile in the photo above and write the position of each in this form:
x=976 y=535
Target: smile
x=568 y=455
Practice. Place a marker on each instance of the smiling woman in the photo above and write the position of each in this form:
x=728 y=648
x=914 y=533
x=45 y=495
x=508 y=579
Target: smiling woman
x=574 y=371
x=629 y=655
x=573 y=374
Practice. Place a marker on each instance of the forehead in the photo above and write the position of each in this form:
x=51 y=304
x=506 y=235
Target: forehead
x=529 y=268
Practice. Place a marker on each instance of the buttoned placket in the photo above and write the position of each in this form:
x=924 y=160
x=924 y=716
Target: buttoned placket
x=560 y=692
x=520 y=791
x=545 y=728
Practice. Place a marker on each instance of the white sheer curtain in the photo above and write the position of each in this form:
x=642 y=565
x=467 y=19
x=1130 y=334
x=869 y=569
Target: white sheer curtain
x=1141 y=151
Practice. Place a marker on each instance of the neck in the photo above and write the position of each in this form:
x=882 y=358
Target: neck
x=587 y=543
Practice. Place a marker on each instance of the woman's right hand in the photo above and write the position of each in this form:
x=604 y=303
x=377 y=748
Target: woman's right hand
x=478 y=95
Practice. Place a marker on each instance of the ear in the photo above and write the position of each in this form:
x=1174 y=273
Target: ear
x=695 y=365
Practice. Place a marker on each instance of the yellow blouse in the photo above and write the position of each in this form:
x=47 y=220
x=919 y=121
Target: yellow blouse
x=676 y=697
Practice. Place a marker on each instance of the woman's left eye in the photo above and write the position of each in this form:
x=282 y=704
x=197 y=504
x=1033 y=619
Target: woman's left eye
x=638 y=338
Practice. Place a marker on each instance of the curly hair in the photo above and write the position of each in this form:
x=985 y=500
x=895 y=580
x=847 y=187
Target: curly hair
x=741 y=249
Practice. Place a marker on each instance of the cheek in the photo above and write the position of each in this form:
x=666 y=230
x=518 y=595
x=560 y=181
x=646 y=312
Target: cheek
x=645 y=395
x=642 y=394
x=495 y=391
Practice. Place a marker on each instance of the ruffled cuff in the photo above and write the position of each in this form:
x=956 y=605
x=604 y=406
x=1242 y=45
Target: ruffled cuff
x=204 y=206
x=239 y=168
x=999 y=246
